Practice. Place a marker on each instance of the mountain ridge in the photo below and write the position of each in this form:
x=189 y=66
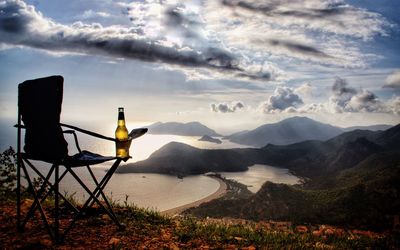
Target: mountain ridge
x=309 y=159
x=359 y=188
x=287 y=131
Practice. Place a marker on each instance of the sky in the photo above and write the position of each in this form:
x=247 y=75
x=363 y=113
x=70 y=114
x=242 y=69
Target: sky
x=229 y=64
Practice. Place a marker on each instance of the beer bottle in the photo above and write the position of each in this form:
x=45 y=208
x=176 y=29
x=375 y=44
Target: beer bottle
x=121 y=136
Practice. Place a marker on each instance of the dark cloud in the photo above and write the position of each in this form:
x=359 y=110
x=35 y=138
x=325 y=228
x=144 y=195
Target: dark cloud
x=335 y=17
x=340 y=87
x=297 y=47
x=227 y=108
x=10 y=20
x=283 y=99
x=270 y=8
x=21 y=24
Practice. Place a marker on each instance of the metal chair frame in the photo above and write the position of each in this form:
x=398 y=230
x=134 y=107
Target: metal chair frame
x=47 y=187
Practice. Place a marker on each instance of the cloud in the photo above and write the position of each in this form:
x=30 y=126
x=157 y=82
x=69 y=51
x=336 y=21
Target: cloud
x=348 y=99
x=88 y=14
x=298 y=47
x=394 y=105
x=328 y=16
x=365 y=101
x=305 y=89
x=283 y=99
x=227 y=108
x=393 y=80
x=343 y=99
x=21 y=24
x=317 y=31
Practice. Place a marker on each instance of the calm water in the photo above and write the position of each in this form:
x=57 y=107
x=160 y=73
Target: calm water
x=160 y=192
x=255 y=177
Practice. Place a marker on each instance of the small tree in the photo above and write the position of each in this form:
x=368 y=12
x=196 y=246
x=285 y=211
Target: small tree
x=8 y=172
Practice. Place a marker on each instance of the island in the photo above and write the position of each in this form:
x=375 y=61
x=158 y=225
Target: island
x=210 y=139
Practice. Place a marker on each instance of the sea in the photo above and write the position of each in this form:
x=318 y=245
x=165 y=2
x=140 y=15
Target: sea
x=153 y=191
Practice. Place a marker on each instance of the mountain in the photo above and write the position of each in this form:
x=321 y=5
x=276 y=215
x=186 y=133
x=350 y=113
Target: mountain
x=185 y=129
x=372 y=127
x=181 y=159
x=353 y=181
x=309 y=159
x=288 y=131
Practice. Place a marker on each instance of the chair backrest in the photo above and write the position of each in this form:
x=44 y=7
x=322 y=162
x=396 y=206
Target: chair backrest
x=39 y=104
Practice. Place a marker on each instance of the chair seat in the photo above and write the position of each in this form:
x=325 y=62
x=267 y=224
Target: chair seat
x=85 y=158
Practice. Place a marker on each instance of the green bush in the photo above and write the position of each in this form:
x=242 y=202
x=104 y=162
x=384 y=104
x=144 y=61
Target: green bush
x=8 y=172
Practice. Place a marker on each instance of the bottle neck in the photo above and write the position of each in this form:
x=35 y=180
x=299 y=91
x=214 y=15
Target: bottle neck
x=121 y=116
x=121 y=122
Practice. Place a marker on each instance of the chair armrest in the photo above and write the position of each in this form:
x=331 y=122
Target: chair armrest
x=19 y=126
x=88 y=132
x=135 y=133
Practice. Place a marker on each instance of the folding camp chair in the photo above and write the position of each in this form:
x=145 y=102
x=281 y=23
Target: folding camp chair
x=39 y=108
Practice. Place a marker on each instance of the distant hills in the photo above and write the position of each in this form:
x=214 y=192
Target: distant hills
x=184 y=129
x=288 y=131
x=352 y=179
x=372 y=127
x=308 y=158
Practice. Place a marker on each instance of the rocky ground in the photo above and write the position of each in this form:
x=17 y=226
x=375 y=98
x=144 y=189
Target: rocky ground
x=150 y=230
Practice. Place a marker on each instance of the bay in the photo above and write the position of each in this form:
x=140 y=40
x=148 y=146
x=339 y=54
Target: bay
x=154 y=191
x=258 y=174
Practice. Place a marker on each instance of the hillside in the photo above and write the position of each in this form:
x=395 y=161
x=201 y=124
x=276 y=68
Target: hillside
x=181 y=159
x=307 y=159
x=147 y=229
x=184 y=129
x=288 y=131
x=353 y=181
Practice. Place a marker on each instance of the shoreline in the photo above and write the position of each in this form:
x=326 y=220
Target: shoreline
x=217 y=194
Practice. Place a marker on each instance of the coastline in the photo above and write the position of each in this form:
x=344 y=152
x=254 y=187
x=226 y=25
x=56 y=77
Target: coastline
x=217 y=194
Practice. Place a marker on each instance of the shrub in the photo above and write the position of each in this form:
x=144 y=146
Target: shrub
x=8 y=172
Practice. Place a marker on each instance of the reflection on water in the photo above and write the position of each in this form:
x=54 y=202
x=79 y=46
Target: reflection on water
x=255 y=177
x=155 y=191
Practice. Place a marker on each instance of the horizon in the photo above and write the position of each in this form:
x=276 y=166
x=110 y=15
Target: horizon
x=181 y=61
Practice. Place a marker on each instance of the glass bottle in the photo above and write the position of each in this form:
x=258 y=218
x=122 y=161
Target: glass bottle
x=121 y=136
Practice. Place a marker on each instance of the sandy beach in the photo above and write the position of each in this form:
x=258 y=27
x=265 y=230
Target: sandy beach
x=220 y=192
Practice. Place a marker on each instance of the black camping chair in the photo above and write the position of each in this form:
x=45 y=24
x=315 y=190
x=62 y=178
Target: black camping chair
x=39 y=108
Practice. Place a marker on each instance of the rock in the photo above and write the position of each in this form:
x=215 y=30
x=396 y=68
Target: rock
x=317 y=233
x=114 y=242
x=46 y=242
x=302 y=229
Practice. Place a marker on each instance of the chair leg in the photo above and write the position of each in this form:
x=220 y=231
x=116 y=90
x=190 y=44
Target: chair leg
x=39 y=194
x=100 y=192
x=52 y=186
x=56 y=204
x=19 y=159
x=101 y=186
x=31 y=187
